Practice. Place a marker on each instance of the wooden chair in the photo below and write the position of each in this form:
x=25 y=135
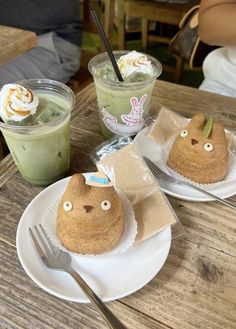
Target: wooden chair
x=170 y=13
x=104 y=11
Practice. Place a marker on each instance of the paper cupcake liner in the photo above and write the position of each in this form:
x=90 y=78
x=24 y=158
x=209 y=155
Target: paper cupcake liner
x=125 y=242
x=162 y=162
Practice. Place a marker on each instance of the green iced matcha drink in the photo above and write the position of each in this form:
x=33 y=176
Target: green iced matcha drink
x=123 y=106
x=36 y=119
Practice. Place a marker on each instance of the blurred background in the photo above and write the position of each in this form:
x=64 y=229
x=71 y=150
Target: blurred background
x=146 y=26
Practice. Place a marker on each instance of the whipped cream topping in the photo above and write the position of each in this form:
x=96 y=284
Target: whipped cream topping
x=135 y=62
x=17 y=102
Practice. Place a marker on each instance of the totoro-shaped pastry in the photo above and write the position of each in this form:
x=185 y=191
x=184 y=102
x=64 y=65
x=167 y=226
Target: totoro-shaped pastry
x=90 y=219
x=200 y=151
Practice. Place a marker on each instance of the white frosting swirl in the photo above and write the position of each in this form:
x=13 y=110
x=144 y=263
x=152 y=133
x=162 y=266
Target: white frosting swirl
x=17 y=102
x=135 y=62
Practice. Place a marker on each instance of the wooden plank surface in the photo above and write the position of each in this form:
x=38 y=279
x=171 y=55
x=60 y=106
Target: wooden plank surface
x=196 y=287
x=15 y=42
x=188 y=101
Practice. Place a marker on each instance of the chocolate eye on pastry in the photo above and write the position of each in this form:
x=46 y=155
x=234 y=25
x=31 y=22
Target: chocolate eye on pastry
x=67 y=206
x=184 y=133
x=106 y=205
x=208 y=147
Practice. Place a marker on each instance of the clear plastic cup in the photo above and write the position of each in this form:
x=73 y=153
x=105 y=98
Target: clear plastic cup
x=123 y=106
x=42 y=152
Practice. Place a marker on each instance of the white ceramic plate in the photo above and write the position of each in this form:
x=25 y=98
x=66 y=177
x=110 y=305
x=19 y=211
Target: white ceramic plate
x=111 y=277
x=152 y=150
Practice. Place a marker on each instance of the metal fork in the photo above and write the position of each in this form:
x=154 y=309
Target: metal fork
x=157 y=172
x=55 y=258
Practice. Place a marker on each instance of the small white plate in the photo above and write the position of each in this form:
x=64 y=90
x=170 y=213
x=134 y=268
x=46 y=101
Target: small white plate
x=152 y=150
x=111 y=277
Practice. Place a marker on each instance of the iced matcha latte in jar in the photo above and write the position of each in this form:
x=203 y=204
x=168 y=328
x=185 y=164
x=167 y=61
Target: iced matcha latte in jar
x=36 y=116
x=124 y=105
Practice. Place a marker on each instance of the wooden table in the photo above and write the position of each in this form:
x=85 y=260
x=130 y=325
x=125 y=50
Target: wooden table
x=196 y=288
x=15 y=42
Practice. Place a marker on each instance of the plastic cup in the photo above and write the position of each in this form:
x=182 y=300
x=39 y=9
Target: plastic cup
x=42 y=152
x=123 y=106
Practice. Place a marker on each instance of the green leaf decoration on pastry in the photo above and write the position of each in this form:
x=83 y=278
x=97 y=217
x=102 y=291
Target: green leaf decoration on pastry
x=207 y=129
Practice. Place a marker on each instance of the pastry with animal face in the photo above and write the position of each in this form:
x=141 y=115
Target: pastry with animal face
x=200 y=151
x=90 y=219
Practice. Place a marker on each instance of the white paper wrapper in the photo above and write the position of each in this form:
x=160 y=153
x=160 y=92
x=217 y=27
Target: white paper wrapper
x=229 y=179
x=163 y=133
x=126 y=240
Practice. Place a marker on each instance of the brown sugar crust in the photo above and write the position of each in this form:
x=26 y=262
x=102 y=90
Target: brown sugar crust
x=87 y=228
x=189 y=158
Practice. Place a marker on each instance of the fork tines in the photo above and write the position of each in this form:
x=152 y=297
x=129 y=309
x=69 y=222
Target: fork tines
x=41 y=241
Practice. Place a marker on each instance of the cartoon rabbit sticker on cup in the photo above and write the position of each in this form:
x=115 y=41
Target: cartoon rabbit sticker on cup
x=133 y=122
x=135 y=117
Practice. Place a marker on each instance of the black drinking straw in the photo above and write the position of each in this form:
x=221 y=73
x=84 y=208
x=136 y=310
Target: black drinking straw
x=106 y=44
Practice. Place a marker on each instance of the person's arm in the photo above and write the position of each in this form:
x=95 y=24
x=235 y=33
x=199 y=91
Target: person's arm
x=217 y=22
